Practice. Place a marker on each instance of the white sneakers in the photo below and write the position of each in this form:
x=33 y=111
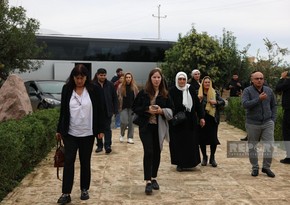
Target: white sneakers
x=121 y=138
x=130 y=141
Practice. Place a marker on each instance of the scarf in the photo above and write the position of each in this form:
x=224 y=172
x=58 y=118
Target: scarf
x=211 y=95
x=186 y=97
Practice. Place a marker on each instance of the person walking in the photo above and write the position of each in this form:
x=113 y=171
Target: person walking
x=184 y=149
x=80 y=120
x=152 y=105
x=261 y=109
x=195 y=80
x=127 y=92
x=117 y=80
x=283 y=86
x=111 y=108
x=235 y=86
x=211 y=102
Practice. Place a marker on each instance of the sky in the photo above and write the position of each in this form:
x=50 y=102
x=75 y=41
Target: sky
x=250 y=21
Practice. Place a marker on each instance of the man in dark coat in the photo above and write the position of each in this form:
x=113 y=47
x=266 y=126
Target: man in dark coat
x=284 y=87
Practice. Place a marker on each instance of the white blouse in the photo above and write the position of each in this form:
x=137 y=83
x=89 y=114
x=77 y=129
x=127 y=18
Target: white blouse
x=81 y=115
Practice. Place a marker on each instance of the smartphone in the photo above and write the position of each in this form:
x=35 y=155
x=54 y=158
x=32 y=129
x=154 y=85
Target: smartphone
x=154 y=107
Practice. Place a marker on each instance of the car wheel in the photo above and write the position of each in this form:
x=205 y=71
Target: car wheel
x=41 y=106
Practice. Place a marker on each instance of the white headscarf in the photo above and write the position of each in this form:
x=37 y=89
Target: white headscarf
x=186 y=97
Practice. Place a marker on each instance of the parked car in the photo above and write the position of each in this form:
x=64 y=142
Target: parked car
x=44 y=94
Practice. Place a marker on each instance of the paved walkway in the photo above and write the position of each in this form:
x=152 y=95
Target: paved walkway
x=117 y=178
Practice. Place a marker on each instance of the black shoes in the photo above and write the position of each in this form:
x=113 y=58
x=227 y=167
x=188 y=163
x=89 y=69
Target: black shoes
x=244 y=139
x=148 y=189
x=212 y=162
x=155 y=185
x=99 y=149
x=64 y=199
x=179 y=169
x=204 y=161
x=84 y=195
x=285 y=161
x=268 y=172
x=255 y=172
x=108 y=150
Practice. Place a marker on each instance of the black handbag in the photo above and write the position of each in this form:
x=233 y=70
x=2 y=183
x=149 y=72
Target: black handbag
x=137 y=120
x=178 y=118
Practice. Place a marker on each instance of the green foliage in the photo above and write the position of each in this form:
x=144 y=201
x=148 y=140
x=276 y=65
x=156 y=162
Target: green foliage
x=17 y=41
x=235 y=115
x=23 y=144
x=213 y=57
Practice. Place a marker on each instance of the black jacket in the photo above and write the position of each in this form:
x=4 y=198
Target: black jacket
x=110 y=98
x=284 y=87
x=142 y=102
x=98 y=109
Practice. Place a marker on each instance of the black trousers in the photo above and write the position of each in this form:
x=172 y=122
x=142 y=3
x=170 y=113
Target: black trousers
x=151 y=146
x=108 y=135
x=286 y=130
x=85 y=146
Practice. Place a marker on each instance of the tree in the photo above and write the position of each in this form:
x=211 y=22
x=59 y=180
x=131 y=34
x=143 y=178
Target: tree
x=272 y=65
x=17 y=41
x=213 y=57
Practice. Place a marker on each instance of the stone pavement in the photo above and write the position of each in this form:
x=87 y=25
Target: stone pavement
x=117 y=178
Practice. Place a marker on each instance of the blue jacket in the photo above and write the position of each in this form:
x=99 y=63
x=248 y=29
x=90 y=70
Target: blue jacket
x=258 y=112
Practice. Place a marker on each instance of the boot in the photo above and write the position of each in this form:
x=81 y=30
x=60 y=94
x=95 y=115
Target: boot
x=212 y=161
x=204 y=161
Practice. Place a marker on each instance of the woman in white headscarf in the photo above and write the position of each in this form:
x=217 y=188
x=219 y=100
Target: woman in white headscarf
x=183 y=144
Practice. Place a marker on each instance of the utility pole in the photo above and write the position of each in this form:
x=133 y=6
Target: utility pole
x=159 y=17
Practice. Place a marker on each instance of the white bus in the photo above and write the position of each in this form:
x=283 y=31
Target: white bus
x=64 y=52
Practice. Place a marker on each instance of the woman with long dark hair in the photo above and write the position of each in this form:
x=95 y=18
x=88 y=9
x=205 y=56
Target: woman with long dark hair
x=127 y=92
x=152 y=105
x=80 y=120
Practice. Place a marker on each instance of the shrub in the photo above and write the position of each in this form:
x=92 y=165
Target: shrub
x=23 y=144
x=235 y=115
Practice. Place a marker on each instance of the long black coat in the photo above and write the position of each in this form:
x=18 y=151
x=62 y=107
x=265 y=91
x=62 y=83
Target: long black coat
x=184 y=150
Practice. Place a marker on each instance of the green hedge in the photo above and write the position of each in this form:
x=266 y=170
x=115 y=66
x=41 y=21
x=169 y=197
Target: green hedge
x=235 y=115
x=23 y=144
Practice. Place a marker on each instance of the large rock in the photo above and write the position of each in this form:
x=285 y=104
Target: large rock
x=14 y=100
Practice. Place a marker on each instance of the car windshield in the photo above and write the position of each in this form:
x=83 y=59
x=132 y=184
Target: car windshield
x=51 y=87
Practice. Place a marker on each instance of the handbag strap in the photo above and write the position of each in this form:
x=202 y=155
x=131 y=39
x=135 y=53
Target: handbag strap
x=58 y=144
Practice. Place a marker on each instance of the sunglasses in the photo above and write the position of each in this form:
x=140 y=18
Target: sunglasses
x=259 y=78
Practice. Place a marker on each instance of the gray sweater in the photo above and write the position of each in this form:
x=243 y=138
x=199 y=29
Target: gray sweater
x=258 y=112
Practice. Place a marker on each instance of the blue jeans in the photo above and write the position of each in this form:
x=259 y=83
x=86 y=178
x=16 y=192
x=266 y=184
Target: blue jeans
x=108 y=135
x=117 y=120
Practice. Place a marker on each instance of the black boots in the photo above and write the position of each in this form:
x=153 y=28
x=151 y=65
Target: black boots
x=212 y=161
x=204 y=161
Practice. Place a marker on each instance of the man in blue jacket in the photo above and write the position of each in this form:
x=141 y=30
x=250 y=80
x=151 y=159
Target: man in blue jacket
x=261 y=110
x=283 y=86
x=111 y=108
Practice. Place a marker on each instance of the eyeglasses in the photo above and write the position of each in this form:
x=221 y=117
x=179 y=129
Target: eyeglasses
x=259 y=78
x=181 y=78
x=196 y=74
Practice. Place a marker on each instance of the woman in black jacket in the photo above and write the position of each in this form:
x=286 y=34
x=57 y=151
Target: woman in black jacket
x=80 y=120
x=148 y=105
x=211 y=102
